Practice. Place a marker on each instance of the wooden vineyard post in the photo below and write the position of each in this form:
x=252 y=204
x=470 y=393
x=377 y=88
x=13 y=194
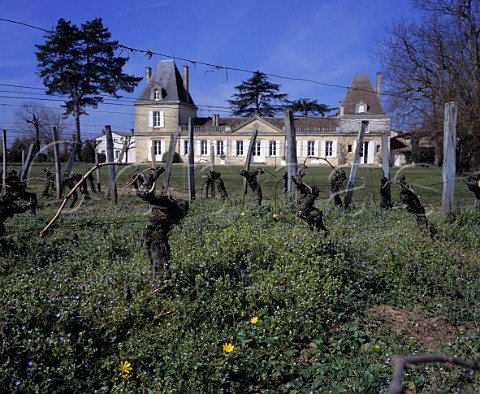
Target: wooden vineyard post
x=71 y=161
x=291 y=139
x=126 y=143
x=212 y=167
x=191 y=161
x=4 y=158
x=152 y=153
x=112 y=183
x=356 y=160
x=212 y=156
x=97 y=171
x=58 y=166
x=169 y=163
x=130 y=144
x=386 y=165
x=449 y=149
x=27 y=162
x=248 y=159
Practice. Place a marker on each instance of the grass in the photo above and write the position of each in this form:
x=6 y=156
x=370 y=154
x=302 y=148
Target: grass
x=426 y=181
x=331 y=313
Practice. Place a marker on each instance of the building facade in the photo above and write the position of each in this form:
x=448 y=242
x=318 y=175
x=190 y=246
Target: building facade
x=165 y=106
x=121 y=142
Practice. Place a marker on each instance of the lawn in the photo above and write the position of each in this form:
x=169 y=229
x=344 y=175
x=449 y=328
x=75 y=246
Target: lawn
x=426 y=181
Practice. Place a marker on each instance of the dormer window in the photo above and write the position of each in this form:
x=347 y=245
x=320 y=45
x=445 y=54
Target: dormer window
x=158 y=93
x=361 y=108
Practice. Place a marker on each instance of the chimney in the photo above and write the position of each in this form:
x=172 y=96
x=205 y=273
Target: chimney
x=378 y=87
x=215 y=119
x=340 y=108
x=148 y=73
x=185 y=81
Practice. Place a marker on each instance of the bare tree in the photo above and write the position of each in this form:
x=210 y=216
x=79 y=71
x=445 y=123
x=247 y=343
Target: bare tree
x=36 y=122
x=433 y=60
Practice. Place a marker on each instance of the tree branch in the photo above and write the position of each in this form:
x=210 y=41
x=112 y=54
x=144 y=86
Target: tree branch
x=67 y=197
x=402 y=363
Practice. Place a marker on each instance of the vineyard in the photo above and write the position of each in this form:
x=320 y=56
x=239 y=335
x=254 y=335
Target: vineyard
x=252 y=300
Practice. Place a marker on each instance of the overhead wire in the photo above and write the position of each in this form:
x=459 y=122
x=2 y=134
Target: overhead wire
x=149 y=53
x=127 y=99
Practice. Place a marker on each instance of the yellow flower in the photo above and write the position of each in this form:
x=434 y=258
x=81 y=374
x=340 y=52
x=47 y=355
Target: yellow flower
x=125 y=367
x=242 y=214
x=228 y=347
x=377 y=347
x=254 y=320
x=274 y=216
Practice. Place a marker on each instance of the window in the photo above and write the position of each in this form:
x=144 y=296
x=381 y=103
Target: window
x=364 y=152
x=272 y=148
x=328 y=148
x=256 y=149
x=361 y=108
x=157 y=148
x=117 y=154
x=310 y=148
x=239 y=148
x=158 y=119
x=378 y=148
x=203 y=147
x=156 y=95
x=349 y=148
x=220 y=150
x=185 y=147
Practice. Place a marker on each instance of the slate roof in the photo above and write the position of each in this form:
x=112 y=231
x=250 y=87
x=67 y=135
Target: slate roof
x=167 y=77
x=312 y=122
x=361 y=89
x=300 y=122
x=234 y=123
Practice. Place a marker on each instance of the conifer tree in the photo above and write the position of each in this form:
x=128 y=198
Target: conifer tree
x=80 y=63
x=308 y=107
x=257 y=96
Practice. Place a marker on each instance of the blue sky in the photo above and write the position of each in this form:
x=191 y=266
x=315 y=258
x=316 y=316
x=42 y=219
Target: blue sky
x=327 y=41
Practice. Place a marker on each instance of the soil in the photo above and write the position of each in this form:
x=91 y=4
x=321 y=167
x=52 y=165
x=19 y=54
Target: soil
x=427 y=332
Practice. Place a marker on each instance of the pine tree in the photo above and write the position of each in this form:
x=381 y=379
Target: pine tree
x=307 y=107
x=257 y=96
x=80 y=63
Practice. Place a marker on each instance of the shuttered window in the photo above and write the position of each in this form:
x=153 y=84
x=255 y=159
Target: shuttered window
x=203 y=148
x=239 y=148
x=328 y=148
x=311 y=148
x=272 y=148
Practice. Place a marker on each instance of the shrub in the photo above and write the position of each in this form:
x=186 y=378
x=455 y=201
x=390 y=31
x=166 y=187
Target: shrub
x=176 y=157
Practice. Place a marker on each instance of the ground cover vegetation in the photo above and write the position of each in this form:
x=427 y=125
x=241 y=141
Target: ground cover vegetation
x=252 y=300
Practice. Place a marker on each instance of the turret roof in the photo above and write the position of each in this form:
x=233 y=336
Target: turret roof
x=168 y=80
x=361 y=90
